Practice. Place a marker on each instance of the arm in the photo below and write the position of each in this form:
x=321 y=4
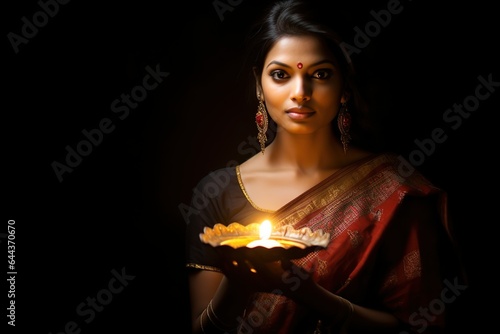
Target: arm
x=216 y=304
x=344 y=315
x=228 y=300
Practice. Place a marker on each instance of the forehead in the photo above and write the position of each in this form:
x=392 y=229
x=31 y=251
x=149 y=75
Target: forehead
x=305 y=49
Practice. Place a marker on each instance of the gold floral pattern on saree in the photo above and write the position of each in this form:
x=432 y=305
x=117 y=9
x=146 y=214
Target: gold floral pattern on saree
x=355 y=237
x=390 y=280
x=412 y=265
x=354 y=192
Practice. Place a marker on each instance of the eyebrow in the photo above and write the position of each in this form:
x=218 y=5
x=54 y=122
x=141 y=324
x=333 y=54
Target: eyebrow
x=325 y=61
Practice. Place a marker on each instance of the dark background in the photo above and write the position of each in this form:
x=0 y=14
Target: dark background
x=119 y=208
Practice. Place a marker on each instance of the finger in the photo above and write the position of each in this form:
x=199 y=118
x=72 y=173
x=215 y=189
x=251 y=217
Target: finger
x=286 y=264
x=250 y=267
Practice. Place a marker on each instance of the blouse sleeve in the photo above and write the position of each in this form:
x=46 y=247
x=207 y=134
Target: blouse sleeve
x=206 y=209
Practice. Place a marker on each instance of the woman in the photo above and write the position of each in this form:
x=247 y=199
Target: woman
x=383 y=269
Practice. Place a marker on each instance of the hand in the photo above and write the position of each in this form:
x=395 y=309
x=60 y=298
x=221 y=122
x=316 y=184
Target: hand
x=281 y=277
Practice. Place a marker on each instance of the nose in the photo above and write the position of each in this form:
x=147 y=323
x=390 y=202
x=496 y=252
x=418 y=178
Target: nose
x=301 y=90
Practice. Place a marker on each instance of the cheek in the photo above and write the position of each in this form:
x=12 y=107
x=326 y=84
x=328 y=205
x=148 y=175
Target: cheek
x=274 y=106
x=275 y=96
x=329 y=101
x=328 y=96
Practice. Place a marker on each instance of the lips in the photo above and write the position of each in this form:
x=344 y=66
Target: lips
x=300 y=113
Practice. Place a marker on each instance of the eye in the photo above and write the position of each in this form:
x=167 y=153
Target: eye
x=279 y=75
x=323 y=74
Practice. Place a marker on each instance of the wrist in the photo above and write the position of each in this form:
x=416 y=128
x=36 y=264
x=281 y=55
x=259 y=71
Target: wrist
x=299 y=285
x=340 y=322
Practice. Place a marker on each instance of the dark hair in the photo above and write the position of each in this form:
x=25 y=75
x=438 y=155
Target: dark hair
x=299 y=18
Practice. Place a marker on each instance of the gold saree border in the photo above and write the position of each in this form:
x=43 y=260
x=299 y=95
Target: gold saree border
x=344 y=182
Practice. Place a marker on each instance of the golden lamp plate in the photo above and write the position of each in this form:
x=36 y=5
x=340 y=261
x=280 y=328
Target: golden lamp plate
x=247 y=241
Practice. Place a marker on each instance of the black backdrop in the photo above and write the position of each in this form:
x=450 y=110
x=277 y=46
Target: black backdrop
x=116 y=214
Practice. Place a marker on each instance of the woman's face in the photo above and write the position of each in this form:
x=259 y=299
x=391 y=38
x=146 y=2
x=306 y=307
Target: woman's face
x=301 y=84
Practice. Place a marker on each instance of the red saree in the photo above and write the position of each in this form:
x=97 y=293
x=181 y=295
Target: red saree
x=389 y=235
x=389 y=243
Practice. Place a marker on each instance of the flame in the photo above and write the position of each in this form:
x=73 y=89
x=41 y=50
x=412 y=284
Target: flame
x=265 y=230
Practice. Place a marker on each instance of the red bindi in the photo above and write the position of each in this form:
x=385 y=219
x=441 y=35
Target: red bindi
x=299 y=65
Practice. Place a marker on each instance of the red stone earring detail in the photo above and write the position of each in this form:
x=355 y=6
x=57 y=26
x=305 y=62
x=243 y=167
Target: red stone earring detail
x=299 y=65
x=344 y=121
x=262 y=122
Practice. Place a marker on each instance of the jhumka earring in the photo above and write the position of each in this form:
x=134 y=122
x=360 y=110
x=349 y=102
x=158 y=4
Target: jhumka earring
x=344 y=124
x=262 y=122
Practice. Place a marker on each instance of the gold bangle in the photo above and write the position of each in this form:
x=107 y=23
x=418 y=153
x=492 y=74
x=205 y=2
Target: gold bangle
x=211 y=308
x=201 y=321
x=221 y=325
x=213 y=322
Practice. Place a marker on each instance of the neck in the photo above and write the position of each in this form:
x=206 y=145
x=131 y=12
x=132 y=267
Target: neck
x=306 y=152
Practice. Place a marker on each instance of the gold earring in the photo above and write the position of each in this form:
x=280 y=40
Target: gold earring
x=262 y=123
x=344 y=124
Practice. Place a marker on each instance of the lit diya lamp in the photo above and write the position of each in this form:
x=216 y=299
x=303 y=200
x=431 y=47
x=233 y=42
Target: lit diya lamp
x=265 y=233
x=263 y=241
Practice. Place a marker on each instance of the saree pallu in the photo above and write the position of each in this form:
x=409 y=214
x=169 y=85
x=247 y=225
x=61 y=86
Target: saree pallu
x=390 y=239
